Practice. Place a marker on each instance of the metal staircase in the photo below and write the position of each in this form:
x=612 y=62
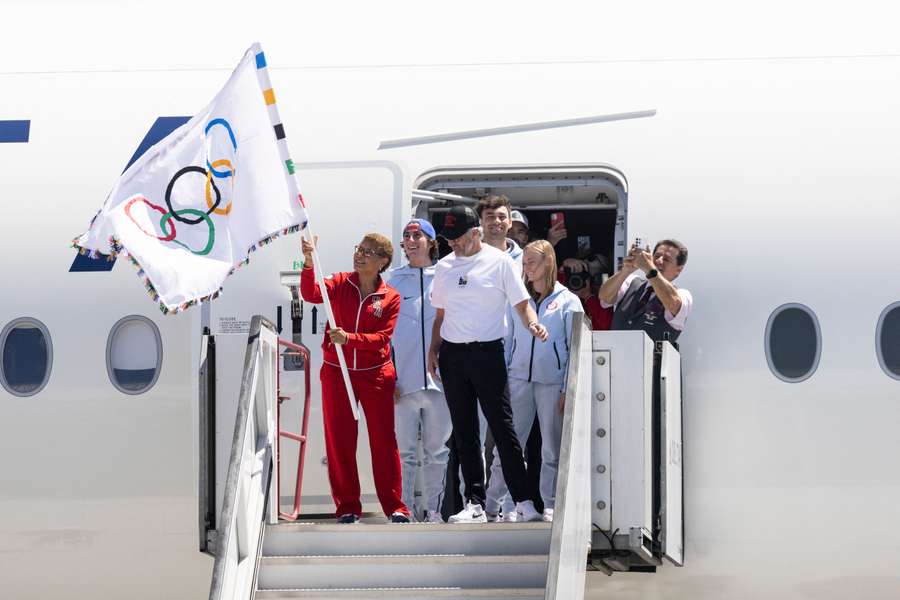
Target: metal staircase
x=478 y=561
x=256 y=556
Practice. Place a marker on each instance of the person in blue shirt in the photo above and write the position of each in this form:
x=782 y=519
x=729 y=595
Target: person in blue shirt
x=537 y=374
x=419 y=400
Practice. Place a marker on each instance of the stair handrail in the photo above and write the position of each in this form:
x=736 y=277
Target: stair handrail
x=570 y=536
x=244 y=507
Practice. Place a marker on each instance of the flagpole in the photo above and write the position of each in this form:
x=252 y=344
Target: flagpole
x=329 y=313
x=268 y=94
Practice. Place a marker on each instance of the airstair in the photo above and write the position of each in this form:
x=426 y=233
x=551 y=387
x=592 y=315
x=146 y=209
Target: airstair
x=261 y=553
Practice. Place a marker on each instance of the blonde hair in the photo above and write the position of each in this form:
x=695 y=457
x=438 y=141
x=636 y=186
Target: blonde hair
x=383 y=247
x=545 y=249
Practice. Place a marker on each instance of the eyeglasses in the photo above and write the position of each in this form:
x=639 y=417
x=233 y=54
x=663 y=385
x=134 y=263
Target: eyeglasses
x=367 y=252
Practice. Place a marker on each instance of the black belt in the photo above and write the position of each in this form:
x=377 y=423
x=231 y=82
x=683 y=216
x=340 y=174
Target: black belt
x=474 y=344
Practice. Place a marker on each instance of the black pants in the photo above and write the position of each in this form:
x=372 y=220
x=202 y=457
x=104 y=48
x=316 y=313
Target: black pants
x=473 y=373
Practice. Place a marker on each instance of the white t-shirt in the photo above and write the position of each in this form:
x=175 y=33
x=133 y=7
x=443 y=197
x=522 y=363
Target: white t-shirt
x=474 y=292
x=675 y=321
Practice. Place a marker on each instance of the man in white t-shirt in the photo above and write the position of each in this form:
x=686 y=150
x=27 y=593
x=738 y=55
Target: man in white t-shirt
x=653 y=303
x=471 y=290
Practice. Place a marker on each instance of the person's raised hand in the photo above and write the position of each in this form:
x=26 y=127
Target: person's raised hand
x=643 y=260
x=575 y=265
x=557 y=233
x=308 y=249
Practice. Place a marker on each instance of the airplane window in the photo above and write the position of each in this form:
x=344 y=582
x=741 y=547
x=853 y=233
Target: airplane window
x=887 y=340
x=793 y=342
x=27 y=356
x=134 y=354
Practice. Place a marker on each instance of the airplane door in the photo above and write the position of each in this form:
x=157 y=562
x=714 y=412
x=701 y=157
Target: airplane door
x=671 y=471
x=345 y=200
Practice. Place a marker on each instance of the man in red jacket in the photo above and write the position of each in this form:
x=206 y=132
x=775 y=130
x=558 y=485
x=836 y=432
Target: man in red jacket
x=365 y=312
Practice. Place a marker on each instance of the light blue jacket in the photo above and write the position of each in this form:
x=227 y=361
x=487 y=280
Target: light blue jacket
x=545 y=362
x=412 y=335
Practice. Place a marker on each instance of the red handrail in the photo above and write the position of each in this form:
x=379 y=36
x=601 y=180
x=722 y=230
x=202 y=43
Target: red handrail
x=303 y=351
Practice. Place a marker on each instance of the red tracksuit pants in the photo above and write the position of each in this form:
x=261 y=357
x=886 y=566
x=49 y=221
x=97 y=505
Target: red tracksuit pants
x=374 y=390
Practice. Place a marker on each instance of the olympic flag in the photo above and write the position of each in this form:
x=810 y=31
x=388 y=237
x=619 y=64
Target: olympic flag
x=190 y=210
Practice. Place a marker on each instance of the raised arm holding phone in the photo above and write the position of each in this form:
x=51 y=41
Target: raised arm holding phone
x=640 y=302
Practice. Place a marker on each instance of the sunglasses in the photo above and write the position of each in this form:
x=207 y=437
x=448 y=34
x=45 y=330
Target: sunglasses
x=367 y=252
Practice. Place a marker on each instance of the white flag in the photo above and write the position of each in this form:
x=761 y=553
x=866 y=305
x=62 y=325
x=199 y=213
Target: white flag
x=190 y=210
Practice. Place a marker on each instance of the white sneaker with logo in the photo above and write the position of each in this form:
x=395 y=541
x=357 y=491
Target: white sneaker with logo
x=548 y=515
x=432 y=517
x=510 y=516
x=472 y=513
x=492 y=517
x=527 y=512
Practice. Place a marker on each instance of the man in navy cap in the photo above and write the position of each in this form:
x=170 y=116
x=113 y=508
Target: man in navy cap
x=472 y=288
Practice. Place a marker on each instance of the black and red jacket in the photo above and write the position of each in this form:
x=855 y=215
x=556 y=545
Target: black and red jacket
x=369 y=321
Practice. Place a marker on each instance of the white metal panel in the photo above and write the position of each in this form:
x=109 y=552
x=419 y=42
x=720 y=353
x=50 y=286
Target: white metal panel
x=671 y=471
x=630 y=398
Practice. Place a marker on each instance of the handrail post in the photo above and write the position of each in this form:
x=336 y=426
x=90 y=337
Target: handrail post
x=302 y=437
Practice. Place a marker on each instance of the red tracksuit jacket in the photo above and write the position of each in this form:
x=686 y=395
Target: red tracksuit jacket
x=368 y=321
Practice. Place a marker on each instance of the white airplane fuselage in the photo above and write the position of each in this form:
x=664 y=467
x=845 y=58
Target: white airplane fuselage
x=779 y=175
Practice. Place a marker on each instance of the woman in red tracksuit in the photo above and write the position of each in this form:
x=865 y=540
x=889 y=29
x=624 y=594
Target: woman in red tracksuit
x=365 y=312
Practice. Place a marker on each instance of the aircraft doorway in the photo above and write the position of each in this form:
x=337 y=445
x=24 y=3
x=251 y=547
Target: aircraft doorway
x=592 y=200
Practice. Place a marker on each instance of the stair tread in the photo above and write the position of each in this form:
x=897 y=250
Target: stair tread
x=408 y=527
x=436 y=558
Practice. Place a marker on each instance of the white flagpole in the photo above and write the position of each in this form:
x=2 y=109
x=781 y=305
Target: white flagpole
x=320 y=280
x=268 y=93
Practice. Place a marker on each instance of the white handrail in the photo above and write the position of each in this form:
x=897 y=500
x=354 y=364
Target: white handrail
x=570 y=537
x=250 y=470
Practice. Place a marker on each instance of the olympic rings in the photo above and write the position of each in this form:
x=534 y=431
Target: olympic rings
x=201 y=216
x=219 y=163
x=227 y=127
x=167 y=238
x=167 y=221
x=175 y=213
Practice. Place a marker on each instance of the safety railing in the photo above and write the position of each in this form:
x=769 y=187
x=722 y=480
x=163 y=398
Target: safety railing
x=250 y=469
x=294 y=350
x=570 y=537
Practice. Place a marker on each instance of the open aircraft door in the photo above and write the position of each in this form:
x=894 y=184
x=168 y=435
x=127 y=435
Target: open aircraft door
x=345 y=200
x=671 y=470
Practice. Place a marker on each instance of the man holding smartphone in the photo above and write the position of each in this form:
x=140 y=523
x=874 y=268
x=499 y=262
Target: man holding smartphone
x=652 y=303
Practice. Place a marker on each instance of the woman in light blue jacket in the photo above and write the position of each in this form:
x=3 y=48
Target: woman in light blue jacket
x=537 y=374
x=418 y=400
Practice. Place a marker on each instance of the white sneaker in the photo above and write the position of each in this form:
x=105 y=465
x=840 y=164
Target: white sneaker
x=548 y=515
x=472 y=513
x=510 y=516
x=527 y=512
x=432 y=517
x=492 y=517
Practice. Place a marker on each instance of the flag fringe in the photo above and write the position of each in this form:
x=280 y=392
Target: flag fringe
x=116 y=249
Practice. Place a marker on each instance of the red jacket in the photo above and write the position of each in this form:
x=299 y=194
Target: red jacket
x=369 y=322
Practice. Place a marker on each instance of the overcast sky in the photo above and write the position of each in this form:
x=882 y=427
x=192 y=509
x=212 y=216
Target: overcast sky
x=57 y=35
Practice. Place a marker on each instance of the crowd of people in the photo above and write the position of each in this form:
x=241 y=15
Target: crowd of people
x=444 y=351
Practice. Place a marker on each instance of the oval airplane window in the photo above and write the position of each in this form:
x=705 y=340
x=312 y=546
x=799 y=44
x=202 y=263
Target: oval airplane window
x=887 y=340
x=793 y=342
x=134 y=354
x=27 y=356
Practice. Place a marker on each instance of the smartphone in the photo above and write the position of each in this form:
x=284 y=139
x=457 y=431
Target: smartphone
x=638 y=243
x=556 y=218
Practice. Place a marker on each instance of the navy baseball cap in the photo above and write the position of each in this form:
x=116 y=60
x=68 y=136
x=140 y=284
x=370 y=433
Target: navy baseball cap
x=459 y=220
x=423 y=226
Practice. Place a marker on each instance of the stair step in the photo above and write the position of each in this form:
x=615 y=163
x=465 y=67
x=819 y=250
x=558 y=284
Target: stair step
x=445 y=593
x=403 y=570
x=415 y=538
